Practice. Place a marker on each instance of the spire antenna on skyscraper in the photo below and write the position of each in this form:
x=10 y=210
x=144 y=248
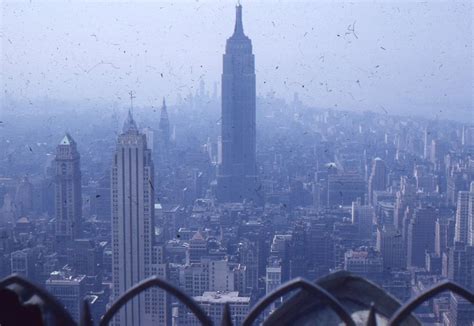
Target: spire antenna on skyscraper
x=129 y=123
x=131 y=100
x=239 y=27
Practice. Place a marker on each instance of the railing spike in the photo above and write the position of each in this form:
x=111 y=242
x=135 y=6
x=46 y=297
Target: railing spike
x=406 y=309
x=51 y=303
x=226 y=316
x=300 y=284
x=371 y=319
x=44 y=300
x=86 y=318
x=151 y=282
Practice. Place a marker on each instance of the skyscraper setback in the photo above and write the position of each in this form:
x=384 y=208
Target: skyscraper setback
x=237 y=173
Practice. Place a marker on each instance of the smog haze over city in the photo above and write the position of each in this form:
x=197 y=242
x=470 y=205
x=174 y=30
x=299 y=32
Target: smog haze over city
x=229 y=147
x=406 y=56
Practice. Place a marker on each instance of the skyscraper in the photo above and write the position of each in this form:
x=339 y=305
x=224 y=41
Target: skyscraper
x=67 y=191
x=421 y=236
x=429 y=135
x=363 y=218
x=470 y=217
x=237 y=172
x=134 y=255
x=444 y=235
x=69 y=289
x=377 y=179
x=405 y=198
x=390 y=245
x=345 y=188
x=462 y=213
x=164 y=129
x=24 y=196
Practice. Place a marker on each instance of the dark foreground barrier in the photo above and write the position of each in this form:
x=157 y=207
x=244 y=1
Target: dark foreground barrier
x=339 y=298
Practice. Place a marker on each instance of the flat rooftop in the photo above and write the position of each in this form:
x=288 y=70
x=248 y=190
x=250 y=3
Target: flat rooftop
x=222 y=297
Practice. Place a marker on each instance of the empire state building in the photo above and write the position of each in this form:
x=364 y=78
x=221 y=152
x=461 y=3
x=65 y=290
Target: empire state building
x=237 y=174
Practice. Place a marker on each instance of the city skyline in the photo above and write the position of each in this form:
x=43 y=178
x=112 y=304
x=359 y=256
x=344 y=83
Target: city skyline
x=330 y=70
x=218 y=202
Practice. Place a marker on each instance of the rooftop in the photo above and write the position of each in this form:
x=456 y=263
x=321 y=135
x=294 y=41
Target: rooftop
x=58 y=277
x=67 y=140
x=222 y=297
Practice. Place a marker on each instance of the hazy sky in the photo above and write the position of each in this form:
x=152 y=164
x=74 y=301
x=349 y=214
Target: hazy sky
x=399 y=55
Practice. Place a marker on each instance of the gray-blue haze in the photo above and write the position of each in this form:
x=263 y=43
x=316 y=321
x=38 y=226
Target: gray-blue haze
x=399 y=57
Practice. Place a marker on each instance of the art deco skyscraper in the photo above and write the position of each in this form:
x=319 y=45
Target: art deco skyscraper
x=67 y=191
x=237 y=170
x=164 y=133
x=134 y=255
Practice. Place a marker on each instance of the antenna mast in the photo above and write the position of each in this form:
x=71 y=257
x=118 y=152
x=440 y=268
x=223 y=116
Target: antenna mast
x=131 y=100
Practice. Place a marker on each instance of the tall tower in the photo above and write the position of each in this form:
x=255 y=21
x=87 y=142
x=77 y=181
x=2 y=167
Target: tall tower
x=462 y=218
x=377 y=179
x=134 y=255
x=237 y=174
x=390 y=245
x=470 y=217
x=421 y=236
x=429 y=135
x=67 y=191
x=24 y=196
x=164 y=128
x=363 y=218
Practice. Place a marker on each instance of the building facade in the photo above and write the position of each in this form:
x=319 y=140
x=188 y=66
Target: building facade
x=70 y=290
x=421 y=236
x=462 y=213
x=390 y=245
x=377 y=178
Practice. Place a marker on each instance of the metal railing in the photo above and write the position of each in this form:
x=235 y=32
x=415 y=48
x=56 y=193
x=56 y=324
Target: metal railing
x=405 y=310
x=22 y=300
x=304 y=285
